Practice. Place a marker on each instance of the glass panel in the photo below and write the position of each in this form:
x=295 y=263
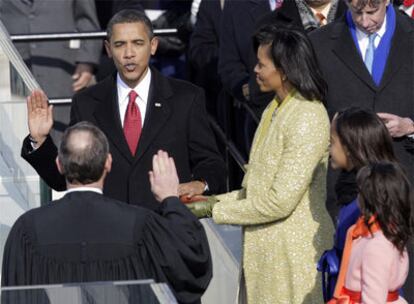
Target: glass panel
x=225 y=247
x=19 y=183
x=121 y=292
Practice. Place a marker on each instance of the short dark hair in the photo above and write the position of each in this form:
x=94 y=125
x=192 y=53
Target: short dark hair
x=385 y=192
x=130 y=16
x=360 y=4
x=83 y=161
x=364 y=135
x=292 y=52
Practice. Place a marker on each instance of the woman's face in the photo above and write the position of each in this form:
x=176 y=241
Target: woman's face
x=338 y=152
x=268 y=77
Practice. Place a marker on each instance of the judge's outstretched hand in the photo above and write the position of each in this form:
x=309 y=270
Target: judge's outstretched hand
x=163 y=177
x=203 y=208
x=39 y=116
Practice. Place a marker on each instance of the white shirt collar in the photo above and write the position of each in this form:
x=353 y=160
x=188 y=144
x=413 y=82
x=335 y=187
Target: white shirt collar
x=407 y=10
x=83 y=188
x=142 y=89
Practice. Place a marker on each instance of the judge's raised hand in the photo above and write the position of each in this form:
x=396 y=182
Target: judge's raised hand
x=39 y=116
x=163 y=177
x=396 y=125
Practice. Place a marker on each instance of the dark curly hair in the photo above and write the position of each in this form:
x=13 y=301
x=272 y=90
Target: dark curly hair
x=385 y=192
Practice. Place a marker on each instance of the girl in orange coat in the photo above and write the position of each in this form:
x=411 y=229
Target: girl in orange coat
x=375 y=261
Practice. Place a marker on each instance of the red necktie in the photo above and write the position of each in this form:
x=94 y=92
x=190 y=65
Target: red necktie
x=320 y=18
x=132 y=123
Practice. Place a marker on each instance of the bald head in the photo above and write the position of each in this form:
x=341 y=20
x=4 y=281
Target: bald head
x=83 y=153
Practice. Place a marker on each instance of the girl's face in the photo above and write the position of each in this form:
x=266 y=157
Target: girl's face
x=339 y=158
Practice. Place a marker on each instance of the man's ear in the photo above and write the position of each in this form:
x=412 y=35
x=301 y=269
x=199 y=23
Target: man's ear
x=59 y=166
x=108 y=48
x=154 y=45
x=108 y=163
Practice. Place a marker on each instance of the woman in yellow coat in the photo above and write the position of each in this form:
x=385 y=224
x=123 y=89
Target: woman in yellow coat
x=282 y=203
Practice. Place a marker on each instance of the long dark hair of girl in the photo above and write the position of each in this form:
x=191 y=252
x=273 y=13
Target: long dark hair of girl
x=385 y=192
x=364 y=136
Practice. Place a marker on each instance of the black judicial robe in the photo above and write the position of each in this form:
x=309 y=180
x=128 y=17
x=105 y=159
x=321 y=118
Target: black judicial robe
x=87 y=237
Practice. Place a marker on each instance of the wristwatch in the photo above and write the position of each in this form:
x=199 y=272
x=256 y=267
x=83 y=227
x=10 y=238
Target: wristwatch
x=206 y=188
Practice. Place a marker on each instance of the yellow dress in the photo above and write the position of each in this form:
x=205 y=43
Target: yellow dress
x=282 y=205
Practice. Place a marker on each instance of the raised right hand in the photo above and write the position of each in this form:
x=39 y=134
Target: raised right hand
x=39 y=116
x=163 y=177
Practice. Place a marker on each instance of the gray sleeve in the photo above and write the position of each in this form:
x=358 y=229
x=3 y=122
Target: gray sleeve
x=86 y=20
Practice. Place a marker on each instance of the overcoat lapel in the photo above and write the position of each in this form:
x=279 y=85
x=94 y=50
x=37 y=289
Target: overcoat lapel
x=346 y=50
x=107 y=116
x=158 y=111
x=399 y=53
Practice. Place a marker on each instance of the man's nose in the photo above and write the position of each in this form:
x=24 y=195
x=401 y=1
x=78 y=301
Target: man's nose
x=129 y=51
x=365 y=21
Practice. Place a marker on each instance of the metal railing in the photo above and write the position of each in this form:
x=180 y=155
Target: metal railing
x=76 y=35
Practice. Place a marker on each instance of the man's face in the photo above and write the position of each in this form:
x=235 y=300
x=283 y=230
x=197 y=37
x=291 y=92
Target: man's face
x=131 y=48
x=317 y=3
x=368 y=19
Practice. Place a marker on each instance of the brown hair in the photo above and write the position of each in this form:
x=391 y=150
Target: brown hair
x=385 y=192
x=83 y=162
x=365 y=137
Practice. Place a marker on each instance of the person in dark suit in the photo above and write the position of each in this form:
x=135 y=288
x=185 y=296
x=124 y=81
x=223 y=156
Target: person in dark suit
x=236 y=55
x=236 y=61
x=306 y=15
x=341 y=48
x=86 y=236
x=367 y=60
x=203 y=61
x=203 y=51
x=167 y=114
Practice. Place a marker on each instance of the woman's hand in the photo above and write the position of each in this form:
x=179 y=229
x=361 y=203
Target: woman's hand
x=203 y=208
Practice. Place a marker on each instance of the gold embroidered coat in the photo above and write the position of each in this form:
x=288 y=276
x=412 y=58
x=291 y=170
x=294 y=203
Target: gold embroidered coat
x=282 y=206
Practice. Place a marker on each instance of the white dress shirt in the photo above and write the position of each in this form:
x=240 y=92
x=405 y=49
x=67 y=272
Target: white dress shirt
x=142 y=89
x=407 y=10
x=82 y=188
x=324 y=12
x=363 y=38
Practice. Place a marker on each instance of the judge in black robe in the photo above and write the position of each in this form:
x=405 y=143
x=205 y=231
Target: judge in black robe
x=86 y=237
